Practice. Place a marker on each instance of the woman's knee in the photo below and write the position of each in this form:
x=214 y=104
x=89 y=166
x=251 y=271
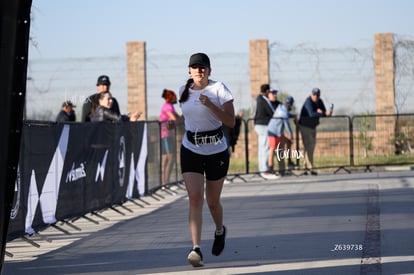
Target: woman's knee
x=196 y=201
x=213 y=203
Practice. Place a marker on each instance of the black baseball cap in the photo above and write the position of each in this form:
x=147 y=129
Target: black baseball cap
x=103 y=80
x=316 y=91
x=289 y=100
x=68 y=103
x=199 y=59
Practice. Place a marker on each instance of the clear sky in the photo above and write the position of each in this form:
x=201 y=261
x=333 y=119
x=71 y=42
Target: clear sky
x=84 y=28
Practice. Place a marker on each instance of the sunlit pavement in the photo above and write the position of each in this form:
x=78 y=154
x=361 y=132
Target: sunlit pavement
x=357 y=223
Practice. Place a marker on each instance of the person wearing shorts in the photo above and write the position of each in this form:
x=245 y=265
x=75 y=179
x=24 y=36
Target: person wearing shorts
x=168 y=118
x=206 y=105
x=276 y=137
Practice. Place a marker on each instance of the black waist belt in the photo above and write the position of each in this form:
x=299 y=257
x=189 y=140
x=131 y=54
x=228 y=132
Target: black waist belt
x=208 y=137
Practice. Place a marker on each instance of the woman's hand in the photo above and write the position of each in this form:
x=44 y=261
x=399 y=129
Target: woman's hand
x=205 y=100
x=134 y=116
x=225 y=113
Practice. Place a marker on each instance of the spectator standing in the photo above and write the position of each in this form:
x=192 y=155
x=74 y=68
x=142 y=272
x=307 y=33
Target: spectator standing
x=273 y=98
x=276 y=131
x=262 y=115
x=67 y=113
x=206 y=105
x=103 y=84
x=312 y=110
x=275 y=102
x=101 y=110
x=168 y=117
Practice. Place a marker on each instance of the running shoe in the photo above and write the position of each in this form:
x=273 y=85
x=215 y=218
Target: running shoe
x=195 y=258
x=219 y=242
x=269 y=176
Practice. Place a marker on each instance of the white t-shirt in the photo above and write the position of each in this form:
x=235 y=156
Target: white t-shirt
x=199 y=118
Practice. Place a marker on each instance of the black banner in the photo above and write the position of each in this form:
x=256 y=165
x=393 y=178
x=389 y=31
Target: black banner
x=68 y=170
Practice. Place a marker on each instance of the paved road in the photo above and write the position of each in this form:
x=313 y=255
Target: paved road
x=358 y=223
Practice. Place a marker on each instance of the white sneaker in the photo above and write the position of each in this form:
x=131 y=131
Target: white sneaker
x=195 y=258
x=269 y=176
x=173 y=187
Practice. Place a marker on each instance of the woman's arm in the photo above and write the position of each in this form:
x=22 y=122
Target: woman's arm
x=225 y=113
x=111 y=115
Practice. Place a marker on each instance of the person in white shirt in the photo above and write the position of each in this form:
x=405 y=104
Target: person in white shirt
x=206 y=105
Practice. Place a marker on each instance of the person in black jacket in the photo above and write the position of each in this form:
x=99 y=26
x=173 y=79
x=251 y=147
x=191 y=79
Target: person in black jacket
x=67 y=113
x=263 y=113
x=101 y=110
x=312 y=110
x=102 y=84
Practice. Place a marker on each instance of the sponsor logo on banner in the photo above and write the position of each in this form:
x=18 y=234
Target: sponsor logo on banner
x=76 y=173
x=100 y=169
x=39 y=199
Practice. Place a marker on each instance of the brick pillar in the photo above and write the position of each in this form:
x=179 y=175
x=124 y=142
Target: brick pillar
x=384 y=73
x=259 y=65
x=385 y=95
x=259 y=74
x=136 y=74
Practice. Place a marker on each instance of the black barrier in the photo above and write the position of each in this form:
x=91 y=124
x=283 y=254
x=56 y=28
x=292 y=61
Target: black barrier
x=383 y=140
x=339 y=145
x=334 y=146
x=345 y=142
x=68 y=170
x=155 y=157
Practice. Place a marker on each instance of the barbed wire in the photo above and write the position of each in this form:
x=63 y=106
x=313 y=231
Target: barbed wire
x=404 y=73
x=345 y=76
x=56 y=80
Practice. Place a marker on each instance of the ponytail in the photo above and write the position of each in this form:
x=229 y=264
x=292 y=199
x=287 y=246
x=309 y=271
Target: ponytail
x=185 y=94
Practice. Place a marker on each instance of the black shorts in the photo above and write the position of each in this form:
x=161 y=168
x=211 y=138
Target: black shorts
x=213 y=166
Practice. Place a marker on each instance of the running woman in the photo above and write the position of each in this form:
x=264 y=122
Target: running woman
x=206 y=105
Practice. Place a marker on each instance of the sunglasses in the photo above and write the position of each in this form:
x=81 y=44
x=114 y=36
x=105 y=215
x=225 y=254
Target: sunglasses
x=200 y=67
